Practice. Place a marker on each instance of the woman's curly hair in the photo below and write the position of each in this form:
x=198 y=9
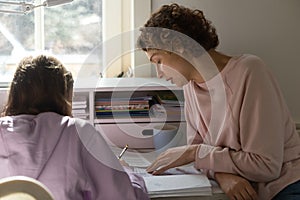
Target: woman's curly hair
x=40 y=84
x=172 y=19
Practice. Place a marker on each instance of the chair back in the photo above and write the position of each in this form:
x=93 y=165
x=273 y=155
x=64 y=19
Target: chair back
x=23 y=188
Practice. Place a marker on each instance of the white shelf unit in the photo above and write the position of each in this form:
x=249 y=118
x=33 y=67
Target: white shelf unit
x=134 y=131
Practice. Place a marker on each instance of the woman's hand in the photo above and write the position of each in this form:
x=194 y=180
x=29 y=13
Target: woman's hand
x=173 y=157
x=235 y=187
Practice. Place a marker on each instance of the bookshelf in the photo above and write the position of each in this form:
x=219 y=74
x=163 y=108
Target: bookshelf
x=125 y=110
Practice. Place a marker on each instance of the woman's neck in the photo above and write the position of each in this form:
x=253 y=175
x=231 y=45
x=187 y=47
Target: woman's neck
x=219 y=59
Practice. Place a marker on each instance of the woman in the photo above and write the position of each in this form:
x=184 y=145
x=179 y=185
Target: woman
x=40 y=139
x=239 y=129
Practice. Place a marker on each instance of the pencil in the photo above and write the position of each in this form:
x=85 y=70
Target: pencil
x=123 y=151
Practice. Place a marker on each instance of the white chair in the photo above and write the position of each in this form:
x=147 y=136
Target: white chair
x=23 y=188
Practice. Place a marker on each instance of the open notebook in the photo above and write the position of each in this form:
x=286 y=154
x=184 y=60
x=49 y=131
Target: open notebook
x=180 y=181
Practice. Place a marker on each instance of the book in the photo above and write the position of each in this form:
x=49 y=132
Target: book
x=180 y=181
x=178 y=185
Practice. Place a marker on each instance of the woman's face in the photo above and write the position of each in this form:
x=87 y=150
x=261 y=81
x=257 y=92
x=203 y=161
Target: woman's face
x=172 y=67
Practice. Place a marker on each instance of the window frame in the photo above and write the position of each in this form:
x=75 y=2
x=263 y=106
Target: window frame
x=126 y=23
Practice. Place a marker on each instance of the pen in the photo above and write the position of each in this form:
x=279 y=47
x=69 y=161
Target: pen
x=123 y=151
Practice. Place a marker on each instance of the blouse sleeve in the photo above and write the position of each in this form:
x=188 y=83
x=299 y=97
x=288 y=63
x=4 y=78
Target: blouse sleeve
x=105 y=177
x=262 y=119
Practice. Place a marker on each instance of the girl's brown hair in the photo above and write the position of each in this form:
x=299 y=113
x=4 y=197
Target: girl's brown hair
x=40 y=84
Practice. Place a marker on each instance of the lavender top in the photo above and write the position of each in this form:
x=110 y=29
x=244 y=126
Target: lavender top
x=67 y=155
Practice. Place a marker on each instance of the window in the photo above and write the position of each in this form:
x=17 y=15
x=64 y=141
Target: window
x=71 y=32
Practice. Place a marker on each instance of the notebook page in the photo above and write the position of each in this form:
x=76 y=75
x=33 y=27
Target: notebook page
x=135 y=158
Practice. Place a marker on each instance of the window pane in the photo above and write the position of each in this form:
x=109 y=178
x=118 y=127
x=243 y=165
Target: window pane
x=16 y=39
x=73 y=30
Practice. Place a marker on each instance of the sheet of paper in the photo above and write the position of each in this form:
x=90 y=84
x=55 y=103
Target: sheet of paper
x=186 y=169
x=135 y=158
x=141 y=171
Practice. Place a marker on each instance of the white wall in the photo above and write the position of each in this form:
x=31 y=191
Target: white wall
x=268 y=28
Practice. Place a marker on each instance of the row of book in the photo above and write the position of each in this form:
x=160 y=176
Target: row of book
x=122 y=107
x=160 y=105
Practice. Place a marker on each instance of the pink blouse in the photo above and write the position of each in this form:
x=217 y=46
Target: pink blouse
x=244 y=127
